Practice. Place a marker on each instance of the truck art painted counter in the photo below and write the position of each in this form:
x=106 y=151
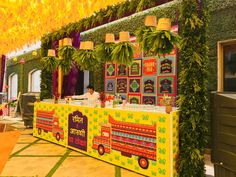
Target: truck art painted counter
x=143 y=142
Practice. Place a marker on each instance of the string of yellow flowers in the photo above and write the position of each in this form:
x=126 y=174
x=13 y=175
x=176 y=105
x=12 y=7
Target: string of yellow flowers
x=23 y=22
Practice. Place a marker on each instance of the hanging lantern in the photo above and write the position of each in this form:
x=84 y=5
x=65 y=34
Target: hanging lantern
x=88 y=45
x=51 y=53
x=34 y=53
x=150 y=20
x=60 y=42
x=67 y=41
x=110 y=38
x=164 y=24
x=82 y=45
x=22 y=61
x=124 y=36
x=14 y=59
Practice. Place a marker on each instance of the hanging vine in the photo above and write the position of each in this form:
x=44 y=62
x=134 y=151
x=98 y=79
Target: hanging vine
x=193 y=80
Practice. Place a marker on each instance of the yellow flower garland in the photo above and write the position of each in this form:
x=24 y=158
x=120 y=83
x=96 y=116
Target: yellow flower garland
x=23 y=22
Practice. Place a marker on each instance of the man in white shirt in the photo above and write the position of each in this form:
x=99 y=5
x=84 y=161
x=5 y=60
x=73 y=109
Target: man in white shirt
x=90 y=95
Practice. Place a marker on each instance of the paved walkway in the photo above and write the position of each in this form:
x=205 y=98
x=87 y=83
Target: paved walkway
x=35 y=157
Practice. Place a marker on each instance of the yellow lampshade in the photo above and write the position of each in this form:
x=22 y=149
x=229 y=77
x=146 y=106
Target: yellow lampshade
x=51 y=53
x=82 y=45
x=60 y=42
x=124 y=36
x=164 y=24
x=110 y=38
x=67 y=41
x=88 y=45
x=150 y=20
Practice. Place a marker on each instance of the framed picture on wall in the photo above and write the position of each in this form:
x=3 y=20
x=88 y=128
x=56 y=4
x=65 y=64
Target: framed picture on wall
x=136 y=68
x=151 y=100
x=110 y=86
x=121 y=85
x=166 y=85
x=135 y=85
x=122 y=70
x=110 y=70
x=149 y=85
x=167 y=65
x=134 y=99
x=149 y=66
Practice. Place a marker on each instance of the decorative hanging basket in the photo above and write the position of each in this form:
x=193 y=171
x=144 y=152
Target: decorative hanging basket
x=82 y=45
x=123 y=51
x=60 y=42
x=88 y=45
x=110 y=38
x=150 y=21
x=124 y=36
x=67 y=41
x=51 y=53
x=164 y=24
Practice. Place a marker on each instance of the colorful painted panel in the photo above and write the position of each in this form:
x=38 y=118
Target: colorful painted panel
x=110 y=70
x=121 y=85
x=110 y=86
x=149 y=66
x=136 y=68
x=166 y=65
x=122 y=70
x=139 y=141
x=166 y=85
x=151 y=100
x=135 y=85
x=134 y=99
x=149 y=85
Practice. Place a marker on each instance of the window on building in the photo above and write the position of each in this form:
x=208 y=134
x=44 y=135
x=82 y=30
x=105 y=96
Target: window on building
x=13 y=86
x=34 y=80
x=229 y=59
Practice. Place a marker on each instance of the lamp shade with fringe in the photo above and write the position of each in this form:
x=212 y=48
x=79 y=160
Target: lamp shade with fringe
x=51 y=53
x=150 y=20
x=110 y=38
x=164 y=24
x=124 y=36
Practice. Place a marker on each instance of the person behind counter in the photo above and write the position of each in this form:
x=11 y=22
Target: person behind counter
x=90 y=95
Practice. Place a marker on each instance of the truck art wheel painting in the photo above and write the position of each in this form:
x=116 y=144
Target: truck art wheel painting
x=128 y=138
x=48 y=121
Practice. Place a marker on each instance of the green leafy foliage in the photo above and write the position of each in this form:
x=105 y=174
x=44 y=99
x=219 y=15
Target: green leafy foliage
x=104 y=16
x=162 y=42
x=123 y=53
x=103 y=52
x=86 y=59
x=65 y=58
x=193 y=81
x=49 y=63
x=142 y=34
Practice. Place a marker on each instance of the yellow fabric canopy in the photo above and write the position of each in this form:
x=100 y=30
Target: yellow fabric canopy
x=23 y=22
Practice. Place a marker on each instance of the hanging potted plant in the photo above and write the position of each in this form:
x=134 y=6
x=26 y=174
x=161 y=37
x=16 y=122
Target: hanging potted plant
x=104 y=50
x=142 y=33
x=50 y=62
x=65 y=54
x=123 y=51
x=162 y=40
x=85 y=57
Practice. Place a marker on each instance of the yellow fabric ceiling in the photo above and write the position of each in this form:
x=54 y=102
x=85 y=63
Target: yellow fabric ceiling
x=25 y=21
